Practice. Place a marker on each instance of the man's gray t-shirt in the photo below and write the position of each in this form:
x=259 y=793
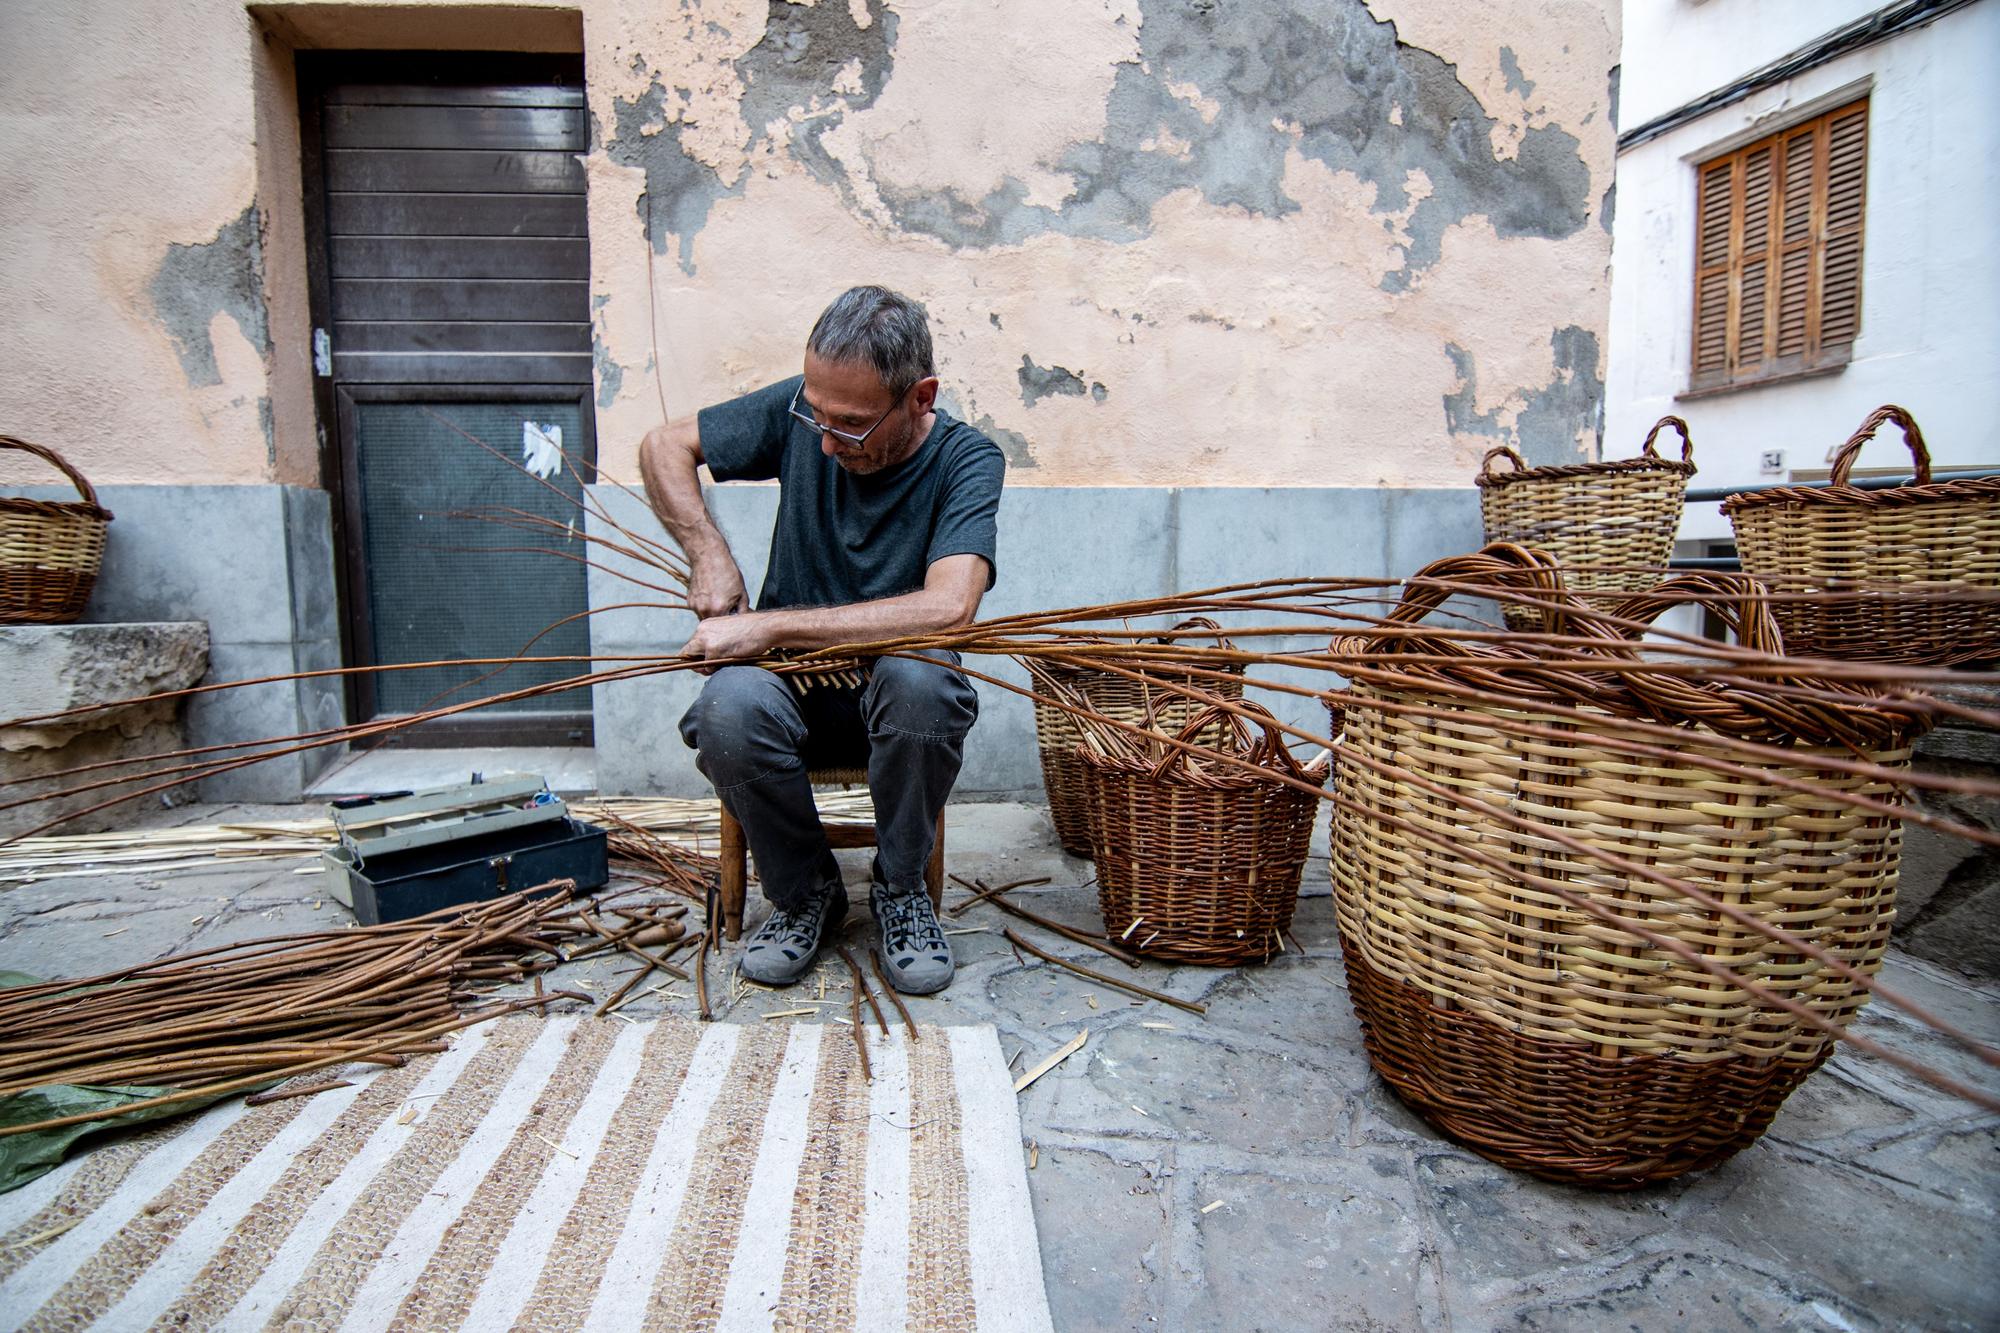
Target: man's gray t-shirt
x=843 y=538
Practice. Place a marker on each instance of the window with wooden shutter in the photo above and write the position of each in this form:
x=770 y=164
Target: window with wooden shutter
x=1777 y=286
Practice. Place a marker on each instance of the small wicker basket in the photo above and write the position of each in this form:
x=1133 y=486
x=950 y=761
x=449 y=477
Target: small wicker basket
x=1199 y=861
x=1528 y=1027
x=1909 y=574
x=1611 y=525
x=50 y=550
x=1118 y=697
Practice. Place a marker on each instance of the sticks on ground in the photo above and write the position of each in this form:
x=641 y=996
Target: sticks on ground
x=1192 y=1006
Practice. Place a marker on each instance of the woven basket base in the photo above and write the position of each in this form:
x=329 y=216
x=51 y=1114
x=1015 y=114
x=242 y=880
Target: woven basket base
x=1559 y=1110
x=44 y=596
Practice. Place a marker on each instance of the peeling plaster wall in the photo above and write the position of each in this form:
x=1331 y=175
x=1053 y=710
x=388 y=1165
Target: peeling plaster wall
x=135 y=336
x=1164 y=242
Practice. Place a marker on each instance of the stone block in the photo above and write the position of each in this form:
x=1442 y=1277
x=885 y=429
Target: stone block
x=48 y=669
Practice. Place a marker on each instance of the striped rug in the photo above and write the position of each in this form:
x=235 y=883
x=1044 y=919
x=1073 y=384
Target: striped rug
x=562 y=1173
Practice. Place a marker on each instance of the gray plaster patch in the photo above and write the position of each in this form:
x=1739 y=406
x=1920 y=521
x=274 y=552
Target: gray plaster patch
x=1510 y=67
x=196 y=282
x=1551 y=418
x=1461 y=414
x=1572 y=403
x=1321 y=78
x=610 y=375
x=680 y=190
x=1039 y=382
x=804 y=49
x=1013 y=445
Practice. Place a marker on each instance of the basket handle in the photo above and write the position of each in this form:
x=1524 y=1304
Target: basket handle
x=1738 y=600
x=1506 y=566
x=1196 y=622
x=1501 y=451
x=1687 y=442
x=1843 y=462
x=1265 y=749
x=50 y=456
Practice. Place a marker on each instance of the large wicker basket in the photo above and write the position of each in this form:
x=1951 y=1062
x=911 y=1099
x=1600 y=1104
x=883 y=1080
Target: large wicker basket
x=1908 y=574
x=1118 y=697
x=1527 y=1026
x=1611 y=525
x=50 y=550
x=1198 y=860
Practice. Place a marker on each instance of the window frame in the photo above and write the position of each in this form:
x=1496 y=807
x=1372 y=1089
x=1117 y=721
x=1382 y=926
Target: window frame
x=1752 y=265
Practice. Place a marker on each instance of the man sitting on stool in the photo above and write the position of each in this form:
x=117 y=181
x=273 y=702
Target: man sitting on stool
x=885 y=529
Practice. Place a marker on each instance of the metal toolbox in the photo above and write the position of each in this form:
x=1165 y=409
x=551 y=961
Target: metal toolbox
x=403 y=856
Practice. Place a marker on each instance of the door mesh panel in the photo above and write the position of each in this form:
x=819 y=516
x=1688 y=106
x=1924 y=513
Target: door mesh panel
x=442 y=583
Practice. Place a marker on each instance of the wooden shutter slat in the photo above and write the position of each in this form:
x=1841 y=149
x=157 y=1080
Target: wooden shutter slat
x=1846 y=198
x=1711 y=324
x=1778 y=239
x=1754 y=270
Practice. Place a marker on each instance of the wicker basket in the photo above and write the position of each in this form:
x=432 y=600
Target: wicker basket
x=1526 y=1027
x=1198 y=861
x=50 y=550
x=1118 y=697
x=1610 y=524
x=1919 y=563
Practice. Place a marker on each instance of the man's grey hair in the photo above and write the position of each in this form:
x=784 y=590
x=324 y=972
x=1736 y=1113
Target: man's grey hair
x=885 y=329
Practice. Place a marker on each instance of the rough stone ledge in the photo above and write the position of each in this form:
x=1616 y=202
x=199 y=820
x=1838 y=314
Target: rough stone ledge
x=46 y=669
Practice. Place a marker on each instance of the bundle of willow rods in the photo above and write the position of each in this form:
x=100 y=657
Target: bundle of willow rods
x=643 y=824
x=232 y=1017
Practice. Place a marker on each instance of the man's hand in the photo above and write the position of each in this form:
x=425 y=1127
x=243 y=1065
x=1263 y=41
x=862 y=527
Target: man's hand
x=751 y=634
x=715 y=587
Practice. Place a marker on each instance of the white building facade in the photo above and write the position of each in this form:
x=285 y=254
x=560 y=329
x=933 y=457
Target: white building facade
x=1805 y=227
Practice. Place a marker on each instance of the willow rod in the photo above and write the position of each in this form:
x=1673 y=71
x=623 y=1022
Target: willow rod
x=1595 y=909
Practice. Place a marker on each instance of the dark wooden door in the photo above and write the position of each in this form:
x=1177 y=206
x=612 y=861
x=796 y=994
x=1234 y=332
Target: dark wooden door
x=452 y=347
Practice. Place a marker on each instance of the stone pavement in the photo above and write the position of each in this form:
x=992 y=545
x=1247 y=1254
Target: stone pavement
x=1245 y=1170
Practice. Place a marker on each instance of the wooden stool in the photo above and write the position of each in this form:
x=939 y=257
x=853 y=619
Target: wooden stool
x=735 y=854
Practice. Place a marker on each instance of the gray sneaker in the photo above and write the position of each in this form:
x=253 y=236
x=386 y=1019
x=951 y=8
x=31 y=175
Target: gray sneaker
x=914 y=949
x=784 y=947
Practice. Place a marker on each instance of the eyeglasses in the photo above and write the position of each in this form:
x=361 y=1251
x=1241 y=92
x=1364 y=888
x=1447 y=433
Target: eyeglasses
x=847 y=438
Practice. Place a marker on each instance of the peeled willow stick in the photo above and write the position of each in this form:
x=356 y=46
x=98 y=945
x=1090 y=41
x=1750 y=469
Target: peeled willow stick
x=854 y=1017
x=1104 y=947
x=980 y=893
x=861 y=988
x=875 y=961
x=296 y=1090
x=624 y=943
x=1192 y=1006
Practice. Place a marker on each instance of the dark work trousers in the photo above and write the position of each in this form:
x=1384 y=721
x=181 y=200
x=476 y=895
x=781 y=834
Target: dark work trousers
x=755 y=736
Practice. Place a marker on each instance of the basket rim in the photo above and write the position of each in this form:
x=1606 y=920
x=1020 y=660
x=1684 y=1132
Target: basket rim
x=1863 y=717
x=1974 y=489
x=1579 y=471
x=21 y=504
x=1231 y=777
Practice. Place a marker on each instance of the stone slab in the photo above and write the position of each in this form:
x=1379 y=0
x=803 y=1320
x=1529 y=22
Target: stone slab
x=47 y=669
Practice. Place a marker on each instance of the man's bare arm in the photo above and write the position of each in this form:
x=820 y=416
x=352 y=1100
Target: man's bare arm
x=949 y=598
x=670 y=459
